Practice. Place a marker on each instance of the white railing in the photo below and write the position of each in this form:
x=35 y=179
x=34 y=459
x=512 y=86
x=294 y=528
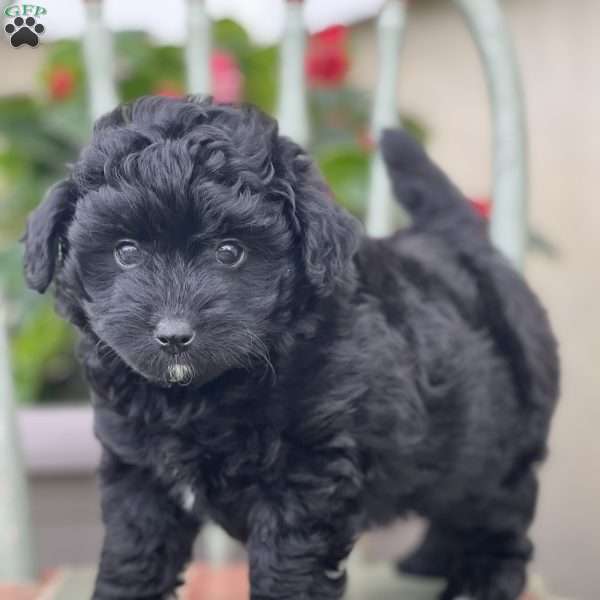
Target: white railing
x=99 y=61
x=16 y=555
x=198 y=47
x=382 y=210
x=488 y=28
x=508 y=226
x=292 y=106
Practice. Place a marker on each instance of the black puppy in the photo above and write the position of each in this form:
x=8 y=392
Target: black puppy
x=254 y=359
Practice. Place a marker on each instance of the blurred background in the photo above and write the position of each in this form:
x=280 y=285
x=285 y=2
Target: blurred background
x=440 y=95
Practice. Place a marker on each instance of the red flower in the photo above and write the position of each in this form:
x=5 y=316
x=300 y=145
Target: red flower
x=327 y=57
x=171 y=89
x=483 y=206
x=227 y=79
x=334 y=35
x=61 y=83
x=326 y=67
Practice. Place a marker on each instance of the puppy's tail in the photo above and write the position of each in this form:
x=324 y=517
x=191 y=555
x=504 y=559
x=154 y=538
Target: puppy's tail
x=517 y=320
x=434 y=203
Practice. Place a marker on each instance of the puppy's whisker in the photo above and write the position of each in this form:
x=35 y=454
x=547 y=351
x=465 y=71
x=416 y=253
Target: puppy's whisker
x=258 y=349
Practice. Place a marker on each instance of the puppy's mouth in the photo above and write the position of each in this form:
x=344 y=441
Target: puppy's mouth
x=180 y=373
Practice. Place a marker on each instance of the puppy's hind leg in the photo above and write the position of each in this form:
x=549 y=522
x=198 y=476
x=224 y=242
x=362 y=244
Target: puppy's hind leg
x=434 y=555
x=494 y=549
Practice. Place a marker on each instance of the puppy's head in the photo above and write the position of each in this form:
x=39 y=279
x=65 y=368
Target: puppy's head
x=187 y=238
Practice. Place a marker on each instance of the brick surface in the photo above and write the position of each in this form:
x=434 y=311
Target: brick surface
x=230 y=582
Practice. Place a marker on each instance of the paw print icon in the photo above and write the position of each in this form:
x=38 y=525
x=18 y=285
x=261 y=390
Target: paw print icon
x=24 y=31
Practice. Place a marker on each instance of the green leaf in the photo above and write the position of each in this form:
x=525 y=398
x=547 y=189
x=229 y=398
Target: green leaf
x=258 y=64
x=346 y=169
x=41 y=350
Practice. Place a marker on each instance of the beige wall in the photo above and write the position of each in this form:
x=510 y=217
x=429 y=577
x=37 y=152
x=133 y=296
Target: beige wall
x=558 y=44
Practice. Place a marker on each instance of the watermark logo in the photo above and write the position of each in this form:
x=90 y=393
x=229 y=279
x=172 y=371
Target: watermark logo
x=23 y=26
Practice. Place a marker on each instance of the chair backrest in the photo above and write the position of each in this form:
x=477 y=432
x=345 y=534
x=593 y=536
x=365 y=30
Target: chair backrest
x=488 y=28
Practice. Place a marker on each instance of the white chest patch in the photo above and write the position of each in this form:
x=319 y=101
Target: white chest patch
x=188 y=498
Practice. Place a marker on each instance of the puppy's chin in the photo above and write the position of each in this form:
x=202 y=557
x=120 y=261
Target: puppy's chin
x=183 y=373
x=180 y=373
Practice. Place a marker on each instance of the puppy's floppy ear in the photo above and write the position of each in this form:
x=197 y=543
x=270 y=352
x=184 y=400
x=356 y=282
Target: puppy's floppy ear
x=45 y=226
x=329 y=234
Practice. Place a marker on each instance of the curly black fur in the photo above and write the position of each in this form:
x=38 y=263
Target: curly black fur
x=338 y=381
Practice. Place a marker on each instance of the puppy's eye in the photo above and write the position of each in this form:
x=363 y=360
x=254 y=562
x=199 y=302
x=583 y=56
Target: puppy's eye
x=127 y=254
x=230 y=253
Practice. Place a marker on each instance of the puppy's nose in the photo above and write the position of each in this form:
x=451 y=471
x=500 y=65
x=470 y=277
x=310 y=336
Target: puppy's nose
x=174 y=334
